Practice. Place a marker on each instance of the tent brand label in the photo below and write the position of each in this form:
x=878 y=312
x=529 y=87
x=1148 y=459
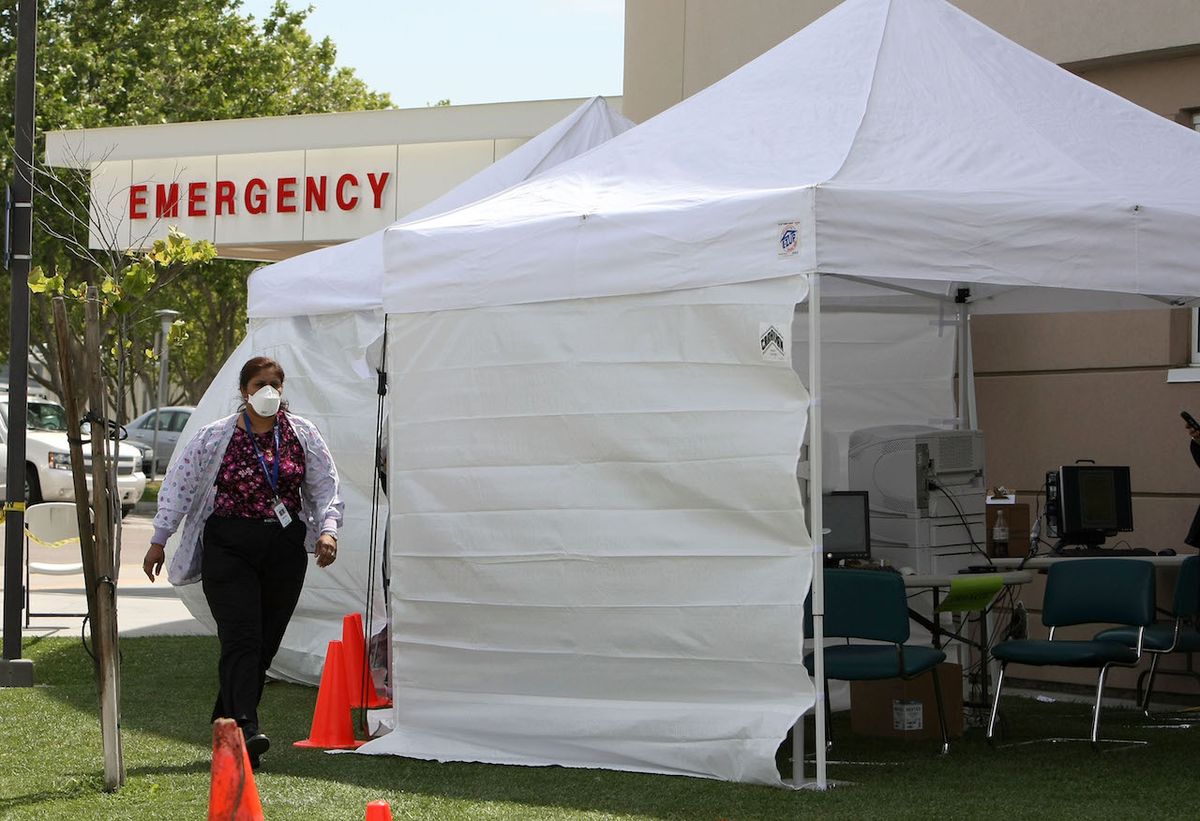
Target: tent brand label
x=789 y=238
x=771 y=343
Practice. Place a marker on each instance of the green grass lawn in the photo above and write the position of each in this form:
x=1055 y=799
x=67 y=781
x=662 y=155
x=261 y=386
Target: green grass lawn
x=50 y=763
x=150 y=494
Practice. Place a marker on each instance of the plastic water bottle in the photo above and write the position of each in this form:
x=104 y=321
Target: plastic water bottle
x=1000 y=535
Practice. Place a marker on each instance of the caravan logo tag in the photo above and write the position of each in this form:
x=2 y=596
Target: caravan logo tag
x=789 y=238
x=772 y=343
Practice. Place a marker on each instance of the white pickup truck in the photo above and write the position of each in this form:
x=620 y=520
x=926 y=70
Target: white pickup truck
x=48 y=458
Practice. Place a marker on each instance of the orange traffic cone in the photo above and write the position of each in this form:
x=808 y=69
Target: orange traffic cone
x=379 y=811
x=233 y=796
x=331 y=726
x=358 y=677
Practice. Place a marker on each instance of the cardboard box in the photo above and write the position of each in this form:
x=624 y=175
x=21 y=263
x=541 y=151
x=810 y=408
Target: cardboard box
x=1017 y=518
x=895 y=708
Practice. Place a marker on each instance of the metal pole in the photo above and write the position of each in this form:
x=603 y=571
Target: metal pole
x=15 y=671
x=164 y=354
x=816 y=481
x=964 y=409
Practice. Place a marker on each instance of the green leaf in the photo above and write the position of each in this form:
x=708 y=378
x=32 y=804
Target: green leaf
x=37 y=280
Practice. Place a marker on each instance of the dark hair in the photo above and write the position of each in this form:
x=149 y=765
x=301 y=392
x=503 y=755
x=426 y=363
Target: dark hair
x=254 y=366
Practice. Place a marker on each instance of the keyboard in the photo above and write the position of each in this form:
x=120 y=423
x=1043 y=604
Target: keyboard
x=1111 y=552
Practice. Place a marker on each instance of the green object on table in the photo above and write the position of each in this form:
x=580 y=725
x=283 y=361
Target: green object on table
x=971 y=593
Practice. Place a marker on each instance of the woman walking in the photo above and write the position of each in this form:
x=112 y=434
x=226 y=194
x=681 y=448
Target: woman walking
x=259 y=491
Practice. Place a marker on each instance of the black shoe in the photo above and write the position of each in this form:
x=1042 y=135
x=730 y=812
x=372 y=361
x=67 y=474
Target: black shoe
x=256 y=745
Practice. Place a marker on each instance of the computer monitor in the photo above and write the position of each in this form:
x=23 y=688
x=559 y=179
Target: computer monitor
x=847 y=517
x=1094 y=503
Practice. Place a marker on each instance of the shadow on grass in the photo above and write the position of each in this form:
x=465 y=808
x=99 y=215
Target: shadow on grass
x=47 y=796
x=169 y=683
x=90 y=784
x=167 y=688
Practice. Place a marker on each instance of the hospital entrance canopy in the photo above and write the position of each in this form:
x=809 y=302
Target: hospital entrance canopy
x=273 y=187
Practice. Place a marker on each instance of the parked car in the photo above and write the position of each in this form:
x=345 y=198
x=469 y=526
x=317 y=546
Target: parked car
x=48 y=457
x=141 y=432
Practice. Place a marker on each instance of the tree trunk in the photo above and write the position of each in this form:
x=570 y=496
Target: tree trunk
x=78 y=470
x=105 y=630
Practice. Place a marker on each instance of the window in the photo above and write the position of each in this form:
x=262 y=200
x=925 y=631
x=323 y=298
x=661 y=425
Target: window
x=1190 y=373
x=1195 y=355
x=46 y=416
x=179 y=420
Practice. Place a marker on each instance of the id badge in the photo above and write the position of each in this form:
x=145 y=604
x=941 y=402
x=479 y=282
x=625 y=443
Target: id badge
x=281 y=513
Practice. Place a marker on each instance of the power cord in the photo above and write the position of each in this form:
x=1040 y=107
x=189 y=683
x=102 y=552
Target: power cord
x=962 y=517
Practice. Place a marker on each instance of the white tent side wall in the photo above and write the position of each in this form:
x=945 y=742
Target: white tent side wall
x=879 y=367
x=598 y=544
x=327 y=384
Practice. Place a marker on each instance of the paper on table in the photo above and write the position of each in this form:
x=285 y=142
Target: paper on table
x=971 y=593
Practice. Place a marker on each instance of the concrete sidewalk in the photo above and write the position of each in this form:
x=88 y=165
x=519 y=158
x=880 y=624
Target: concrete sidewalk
x=143 y=608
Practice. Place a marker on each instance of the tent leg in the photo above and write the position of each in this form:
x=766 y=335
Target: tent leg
x=964 y=348
x=815 y=485
x=798 y=753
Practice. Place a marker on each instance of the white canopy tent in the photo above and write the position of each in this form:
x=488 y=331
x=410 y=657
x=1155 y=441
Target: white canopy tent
x=317 y=314
x=601 y=557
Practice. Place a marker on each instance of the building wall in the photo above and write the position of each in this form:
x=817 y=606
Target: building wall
x=1165 y=85
x=1051 y=388
x=1054 y=388
x=674 y=48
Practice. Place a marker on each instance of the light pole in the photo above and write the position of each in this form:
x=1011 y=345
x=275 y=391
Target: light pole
x=14 y=670
x=166 y=317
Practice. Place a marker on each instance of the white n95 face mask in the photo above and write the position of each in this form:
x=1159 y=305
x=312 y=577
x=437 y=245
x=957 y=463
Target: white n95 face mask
x=266 y=401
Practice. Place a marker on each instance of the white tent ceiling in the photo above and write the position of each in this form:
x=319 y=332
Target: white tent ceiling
x=905 y=139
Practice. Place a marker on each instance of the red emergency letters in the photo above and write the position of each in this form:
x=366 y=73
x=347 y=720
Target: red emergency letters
x=283 y=195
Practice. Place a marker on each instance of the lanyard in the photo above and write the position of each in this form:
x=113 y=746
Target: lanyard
x=272 y=478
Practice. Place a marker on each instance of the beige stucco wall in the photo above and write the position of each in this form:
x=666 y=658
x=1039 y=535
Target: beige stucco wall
x=674 y=48
x=1053 y=388
x=1165 y=85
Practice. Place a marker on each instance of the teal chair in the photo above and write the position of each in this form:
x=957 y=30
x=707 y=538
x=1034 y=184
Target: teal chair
x=1180 y=635
x=872 y=605
x=1086 y=591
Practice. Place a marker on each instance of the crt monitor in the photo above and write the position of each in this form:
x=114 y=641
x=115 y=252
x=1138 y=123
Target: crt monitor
x=1094 y=502
x=847 y=520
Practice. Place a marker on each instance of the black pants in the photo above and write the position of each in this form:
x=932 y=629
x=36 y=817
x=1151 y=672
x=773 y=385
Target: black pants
x=252 y=572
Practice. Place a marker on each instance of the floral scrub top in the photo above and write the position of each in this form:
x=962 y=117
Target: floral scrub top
x=189 y=492
x=242 y=488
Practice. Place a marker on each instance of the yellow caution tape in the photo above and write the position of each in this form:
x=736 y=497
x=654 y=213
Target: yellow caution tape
x=44 y=543
x=20 y=506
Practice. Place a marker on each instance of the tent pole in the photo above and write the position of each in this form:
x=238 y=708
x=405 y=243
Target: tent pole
x=891 y=286
x=815 y=485
x=964 y=410
x=972 y=404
